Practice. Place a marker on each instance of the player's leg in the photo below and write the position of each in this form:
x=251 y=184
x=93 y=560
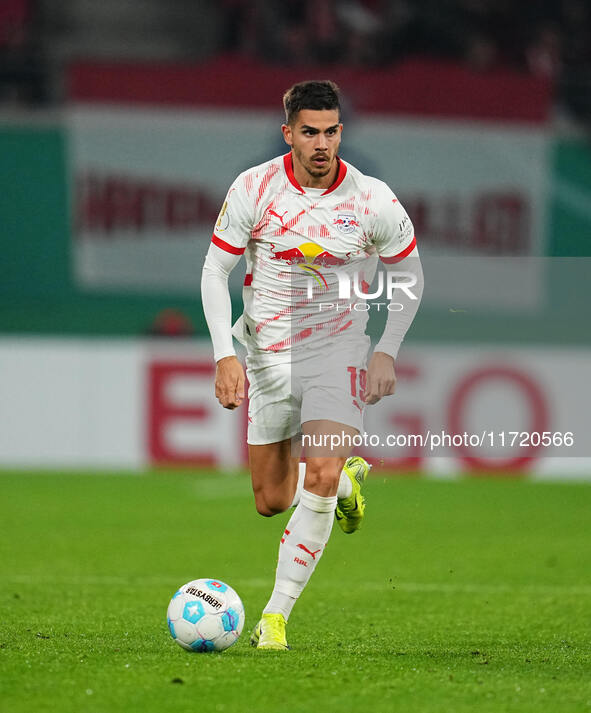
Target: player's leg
x=344 y=490
x=277 y=474
x=273 y=424
x=316 y=491
x=274 y=469
x=278 y=477
x=305 y=535
x=336 y=392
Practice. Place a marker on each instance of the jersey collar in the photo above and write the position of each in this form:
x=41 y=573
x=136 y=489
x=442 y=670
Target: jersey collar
x=341 y=173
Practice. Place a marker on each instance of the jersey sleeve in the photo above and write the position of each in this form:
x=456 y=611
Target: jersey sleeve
x=393 y=233
x=215 y=298
x=234 y=224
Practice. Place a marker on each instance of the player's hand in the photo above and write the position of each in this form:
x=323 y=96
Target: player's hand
x=381 y=377
x=229 y=382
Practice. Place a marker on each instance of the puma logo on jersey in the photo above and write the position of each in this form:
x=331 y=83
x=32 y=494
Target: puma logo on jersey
x=272 y=212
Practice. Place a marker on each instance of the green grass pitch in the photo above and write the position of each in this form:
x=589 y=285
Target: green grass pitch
x=472 y=595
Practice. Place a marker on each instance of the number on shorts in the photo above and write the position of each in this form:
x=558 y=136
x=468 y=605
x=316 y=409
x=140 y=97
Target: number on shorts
x=358 y=376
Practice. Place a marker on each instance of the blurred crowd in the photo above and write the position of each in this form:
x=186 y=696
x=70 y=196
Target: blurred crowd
x=23 y=77
x=549 y=38
x=543 y=37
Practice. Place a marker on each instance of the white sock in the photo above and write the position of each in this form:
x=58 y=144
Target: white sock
x=301 y=547
x=344 y=490
x=300 y=485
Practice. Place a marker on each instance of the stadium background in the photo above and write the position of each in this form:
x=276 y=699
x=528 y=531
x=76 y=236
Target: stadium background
x=122 y=123
x=120 y=134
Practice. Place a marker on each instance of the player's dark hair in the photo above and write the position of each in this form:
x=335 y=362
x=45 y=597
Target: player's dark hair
x=314 y=94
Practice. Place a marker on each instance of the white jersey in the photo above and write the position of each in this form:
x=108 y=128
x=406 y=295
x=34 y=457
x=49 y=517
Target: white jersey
x=295 y=238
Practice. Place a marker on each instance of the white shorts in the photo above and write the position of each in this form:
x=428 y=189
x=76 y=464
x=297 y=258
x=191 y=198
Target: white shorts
x=284 y=395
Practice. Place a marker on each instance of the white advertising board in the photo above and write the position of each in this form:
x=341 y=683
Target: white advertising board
x=130 y=405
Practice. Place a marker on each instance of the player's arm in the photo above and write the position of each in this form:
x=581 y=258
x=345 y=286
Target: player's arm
x=396 y=244
x=217 y=306
x=228 y=243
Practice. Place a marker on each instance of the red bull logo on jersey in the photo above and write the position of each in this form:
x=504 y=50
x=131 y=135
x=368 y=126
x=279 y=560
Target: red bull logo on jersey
x=346 y=222
x=292 y=256
x=308 y=254
x=327 y=259
x=310 y=258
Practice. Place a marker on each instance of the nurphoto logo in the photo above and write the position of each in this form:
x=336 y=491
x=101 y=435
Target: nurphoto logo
x=353 y=285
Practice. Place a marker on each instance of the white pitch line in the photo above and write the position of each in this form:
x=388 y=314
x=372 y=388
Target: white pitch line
x=436 y=587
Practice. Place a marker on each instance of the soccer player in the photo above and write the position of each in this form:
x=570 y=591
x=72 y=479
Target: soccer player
x=306 y=222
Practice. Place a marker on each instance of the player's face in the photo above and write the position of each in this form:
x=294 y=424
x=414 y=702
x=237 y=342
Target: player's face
x=314 y=138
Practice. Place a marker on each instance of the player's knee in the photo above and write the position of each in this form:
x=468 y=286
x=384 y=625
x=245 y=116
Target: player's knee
x=322 y=474
x=264 y=510
x=268 y=505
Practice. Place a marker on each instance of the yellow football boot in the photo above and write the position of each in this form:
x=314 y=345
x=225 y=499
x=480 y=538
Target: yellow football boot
x=269 y=633
x=350 y=510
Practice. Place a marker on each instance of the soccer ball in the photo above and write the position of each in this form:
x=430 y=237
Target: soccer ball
x=205 y=615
